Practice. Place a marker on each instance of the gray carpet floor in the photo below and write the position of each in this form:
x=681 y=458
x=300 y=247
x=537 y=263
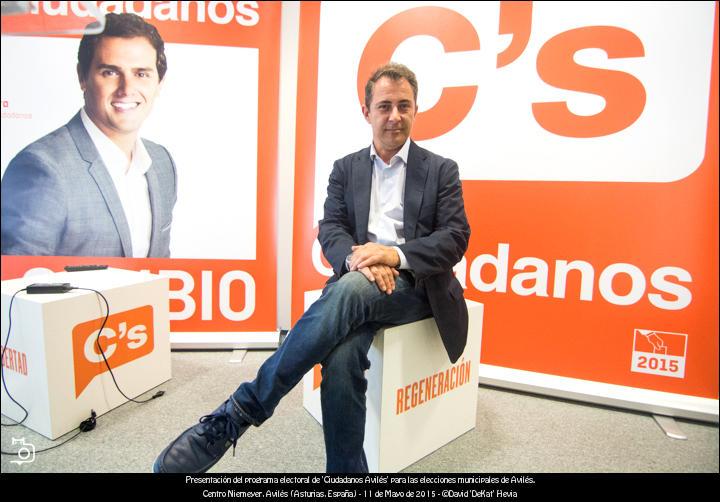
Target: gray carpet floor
x=515 y=432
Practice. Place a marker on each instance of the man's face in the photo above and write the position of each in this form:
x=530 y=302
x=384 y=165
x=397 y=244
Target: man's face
x=391 y=115
x=121 y=85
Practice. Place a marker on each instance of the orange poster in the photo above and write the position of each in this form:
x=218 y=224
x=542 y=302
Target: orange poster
x=216 y=114
x=587 y=140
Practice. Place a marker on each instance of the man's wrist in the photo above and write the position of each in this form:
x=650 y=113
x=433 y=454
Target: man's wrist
x=401 y=260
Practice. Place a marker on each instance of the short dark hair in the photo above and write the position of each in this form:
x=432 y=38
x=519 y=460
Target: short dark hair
x=124 y=26
x=393 y=71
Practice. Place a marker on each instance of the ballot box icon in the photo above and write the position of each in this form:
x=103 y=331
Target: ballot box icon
x=659 y=353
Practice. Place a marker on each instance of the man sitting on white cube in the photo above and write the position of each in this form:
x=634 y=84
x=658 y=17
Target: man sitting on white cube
x=394 y=227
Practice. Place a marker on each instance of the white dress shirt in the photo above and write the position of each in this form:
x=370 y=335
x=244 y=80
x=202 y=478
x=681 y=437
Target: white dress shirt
x=385 y=222
x=130 y=184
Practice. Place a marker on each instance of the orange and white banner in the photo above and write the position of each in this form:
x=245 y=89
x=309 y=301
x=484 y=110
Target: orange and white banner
x=587 y=139
x=217 y=115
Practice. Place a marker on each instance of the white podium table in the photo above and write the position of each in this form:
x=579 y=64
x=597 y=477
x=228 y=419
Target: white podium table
x=52 y=366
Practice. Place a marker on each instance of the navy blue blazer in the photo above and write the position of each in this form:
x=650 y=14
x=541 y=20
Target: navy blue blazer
x=435 y=225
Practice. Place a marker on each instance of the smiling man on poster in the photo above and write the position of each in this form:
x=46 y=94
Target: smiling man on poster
x=93 y=187
x=394 y=227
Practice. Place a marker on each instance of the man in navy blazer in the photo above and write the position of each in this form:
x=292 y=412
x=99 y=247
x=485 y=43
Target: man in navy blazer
x=436 y=233
x=394 y=227
x=93 y=187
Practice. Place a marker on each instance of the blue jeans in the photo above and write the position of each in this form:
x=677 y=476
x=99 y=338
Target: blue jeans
x=337 y=331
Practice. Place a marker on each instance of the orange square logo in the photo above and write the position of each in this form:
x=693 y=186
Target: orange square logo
x=127 y=336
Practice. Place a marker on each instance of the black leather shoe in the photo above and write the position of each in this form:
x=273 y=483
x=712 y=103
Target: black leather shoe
x=204 y=444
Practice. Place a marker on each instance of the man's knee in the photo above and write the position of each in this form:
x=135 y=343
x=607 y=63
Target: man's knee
x=352 y=286
x=354 y=281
